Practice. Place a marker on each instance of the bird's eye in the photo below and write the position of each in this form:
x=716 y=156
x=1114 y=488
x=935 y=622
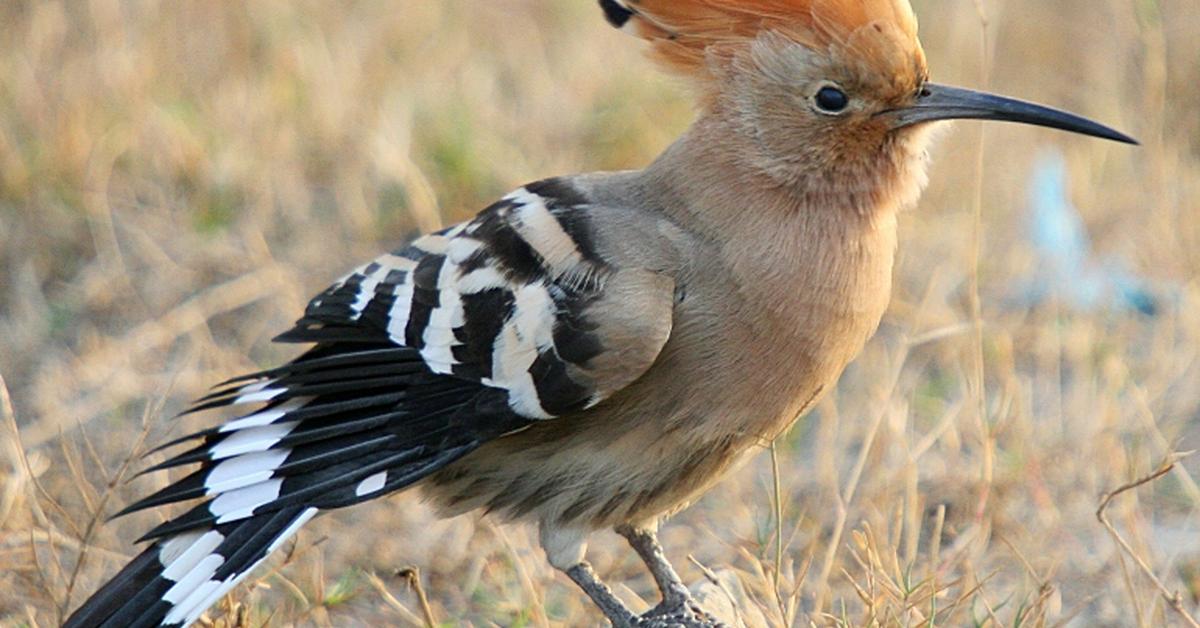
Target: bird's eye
x=830 y=99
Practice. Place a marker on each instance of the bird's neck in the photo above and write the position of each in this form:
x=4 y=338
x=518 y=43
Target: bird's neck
x=716 y=179
x=810 y=249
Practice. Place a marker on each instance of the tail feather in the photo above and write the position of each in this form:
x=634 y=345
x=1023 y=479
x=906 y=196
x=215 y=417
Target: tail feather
x=137 y=577
x=176 y=579
x=340 y=425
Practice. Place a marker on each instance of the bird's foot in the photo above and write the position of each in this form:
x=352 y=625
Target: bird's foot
x=685 y=613
x=678 y=608
x=602 y=596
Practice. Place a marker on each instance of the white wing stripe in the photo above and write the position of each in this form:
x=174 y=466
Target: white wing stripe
x=366 y=292
x=186 y=586
x=395 y=262
x=240 y=503
x=244 y=470
x=433 y=243
x=398 y=317
x=202 y=592
x=255 y=393
x=511 y=358
x=265 y=417
x=461 y=248
x=542 y=231
x=251 y=439
x=477 y=281
x=534 y=315
x=371 y=484
x=188 y=606
x=196 y=545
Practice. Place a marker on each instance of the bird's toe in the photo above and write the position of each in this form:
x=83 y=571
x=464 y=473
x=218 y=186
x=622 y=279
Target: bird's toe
x=685 y=614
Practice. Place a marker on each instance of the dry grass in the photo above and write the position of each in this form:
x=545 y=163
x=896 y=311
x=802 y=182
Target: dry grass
x=177 y=177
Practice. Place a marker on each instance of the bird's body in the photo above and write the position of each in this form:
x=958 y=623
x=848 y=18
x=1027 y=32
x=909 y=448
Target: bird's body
x=816 y=289
x=591 y=351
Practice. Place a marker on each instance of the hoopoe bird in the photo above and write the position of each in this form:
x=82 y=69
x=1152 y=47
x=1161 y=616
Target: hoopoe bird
x=591 y=351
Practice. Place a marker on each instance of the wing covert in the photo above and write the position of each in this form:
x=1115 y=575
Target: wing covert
x=519 y=298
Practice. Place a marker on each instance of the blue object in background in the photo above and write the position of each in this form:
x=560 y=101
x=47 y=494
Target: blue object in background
x=1068 y=270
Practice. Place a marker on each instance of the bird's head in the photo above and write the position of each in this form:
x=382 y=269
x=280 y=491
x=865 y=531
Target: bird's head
x=819 y=88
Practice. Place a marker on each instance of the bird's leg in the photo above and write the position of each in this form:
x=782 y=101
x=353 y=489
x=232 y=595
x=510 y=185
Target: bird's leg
x=645 y=543
x=565 y=548
x=613 y=608
x=677 y=608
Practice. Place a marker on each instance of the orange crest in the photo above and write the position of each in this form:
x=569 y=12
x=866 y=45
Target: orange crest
x=687 y=34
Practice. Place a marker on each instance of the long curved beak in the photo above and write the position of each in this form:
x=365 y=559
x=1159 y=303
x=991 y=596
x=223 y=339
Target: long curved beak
x=941 y=102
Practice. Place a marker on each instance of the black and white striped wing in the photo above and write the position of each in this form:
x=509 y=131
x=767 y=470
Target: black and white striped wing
x=420 y=357
x=502 y=300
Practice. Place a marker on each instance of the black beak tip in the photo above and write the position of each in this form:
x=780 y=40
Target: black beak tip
x=1088 y=127
x=1109 y=133
x=1125 y=139
x=1102 y=132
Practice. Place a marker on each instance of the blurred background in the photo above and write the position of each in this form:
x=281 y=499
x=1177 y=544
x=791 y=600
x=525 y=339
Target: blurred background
x=177 y=178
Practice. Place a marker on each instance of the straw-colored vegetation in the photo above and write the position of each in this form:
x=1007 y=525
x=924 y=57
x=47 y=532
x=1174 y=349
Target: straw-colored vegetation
x=176 y=178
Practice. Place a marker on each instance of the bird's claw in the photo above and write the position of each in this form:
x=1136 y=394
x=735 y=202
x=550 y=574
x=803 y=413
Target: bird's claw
x=682 y=614
x=678 y=608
